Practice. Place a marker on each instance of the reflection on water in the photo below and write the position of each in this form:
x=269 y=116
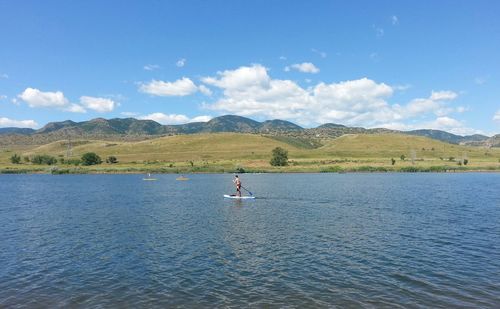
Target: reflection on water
x=313 y=240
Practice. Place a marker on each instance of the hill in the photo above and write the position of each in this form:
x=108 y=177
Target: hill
x=133 y=129
x=11 y=130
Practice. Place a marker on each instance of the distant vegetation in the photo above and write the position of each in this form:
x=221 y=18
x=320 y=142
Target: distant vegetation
x=279 y=157
x=230 y=152
x=44 y=159
x=15 y=159
x=111 y=160
x=91 y=158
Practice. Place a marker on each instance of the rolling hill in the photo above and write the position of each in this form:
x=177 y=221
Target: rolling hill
x=131 y=128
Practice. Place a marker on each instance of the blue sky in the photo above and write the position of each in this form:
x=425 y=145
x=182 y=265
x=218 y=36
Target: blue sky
x=395 y=64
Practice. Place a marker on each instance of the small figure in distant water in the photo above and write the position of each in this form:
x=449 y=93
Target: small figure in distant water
x=237 y=182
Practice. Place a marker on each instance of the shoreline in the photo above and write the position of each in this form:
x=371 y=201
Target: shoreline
x=56 y=170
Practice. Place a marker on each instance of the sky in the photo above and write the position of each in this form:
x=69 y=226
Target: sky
x=395 y=64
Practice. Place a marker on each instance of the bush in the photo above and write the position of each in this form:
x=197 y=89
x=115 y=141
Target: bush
x=393 y=161
x=15 y=159
x=403 y=157
x=240 y=170
x=111 y=160
x=280 y=157
x=27 y=159
x=91 y=158
x=72 y=161
x=44 y=159
x=466 y=161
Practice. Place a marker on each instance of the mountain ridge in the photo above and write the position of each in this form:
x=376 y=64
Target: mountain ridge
x=226 y=123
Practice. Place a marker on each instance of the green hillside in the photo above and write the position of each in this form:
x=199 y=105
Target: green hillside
x=223 y=152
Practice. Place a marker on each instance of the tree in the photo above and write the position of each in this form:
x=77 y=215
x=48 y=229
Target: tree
x=280 y=157
x=15 y=159
x=403 y=157
x=111 y=160
x=466 y=161
x=44 y=159
x=91 y=158
x=393 y=161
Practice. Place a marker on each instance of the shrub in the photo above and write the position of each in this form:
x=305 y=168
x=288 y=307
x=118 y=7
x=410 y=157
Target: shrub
x=72 y=161
x=393 y=161
x=15 y=159
x=280 y=157
x=466 y=161
x=240 y=170
x=111 y=160
x=91 y=158
x=26 y=159
x=44 y=159
x=403 y=157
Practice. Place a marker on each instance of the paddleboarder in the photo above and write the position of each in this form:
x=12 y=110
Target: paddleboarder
x=237 y=182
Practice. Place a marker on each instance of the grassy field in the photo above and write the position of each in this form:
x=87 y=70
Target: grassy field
x=227 y=152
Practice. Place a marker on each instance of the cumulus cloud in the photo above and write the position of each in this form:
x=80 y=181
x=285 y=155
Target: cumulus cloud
x=100 y=105
x=305 y=67
x=205 y=90
x=250 y=91
x=496 y=117
x=180 y=63
x=201 y=119
x=36 y=98
x=151 y=67
x=7 y=122
x=181 y=87
x=167 y=119
x=75 y=108
x=443 y=95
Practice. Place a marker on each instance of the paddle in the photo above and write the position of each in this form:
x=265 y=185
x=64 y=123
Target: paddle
x=247 y=191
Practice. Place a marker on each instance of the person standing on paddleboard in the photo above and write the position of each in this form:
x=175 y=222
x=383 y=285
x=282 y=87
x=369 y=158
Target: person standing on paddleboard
x=237 y=182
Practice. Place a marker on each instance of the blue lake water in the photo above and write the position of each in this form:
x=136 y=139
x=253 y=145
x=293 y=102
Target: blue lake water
x=308 y=240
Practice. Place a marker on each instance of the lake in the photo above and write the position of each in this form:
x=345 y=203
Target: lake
x=308 y=240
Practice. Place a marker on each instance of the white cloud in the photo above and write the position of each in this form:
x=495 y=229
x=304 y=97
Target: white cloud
x=75 y=108
x=205 y=90
x=305 y=67
x=180 y=63
x=37 y=98
x=282 y=58
x=4 y=76
x=101 y=105
x=3 y=97
x=443 y=95
x=6 y=122
x=322 y=54
x=394 y=20
x=496 y=117
x=167 y=119
x=250 y=91
x=181 y=87
x=151 y=67
x=440 y=123
x=201 y=119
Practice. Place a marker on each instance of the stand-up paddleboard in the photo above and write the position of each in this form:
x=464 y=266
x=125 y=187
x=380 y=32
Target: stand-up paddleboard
x=239 y=197
x=149 y=179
